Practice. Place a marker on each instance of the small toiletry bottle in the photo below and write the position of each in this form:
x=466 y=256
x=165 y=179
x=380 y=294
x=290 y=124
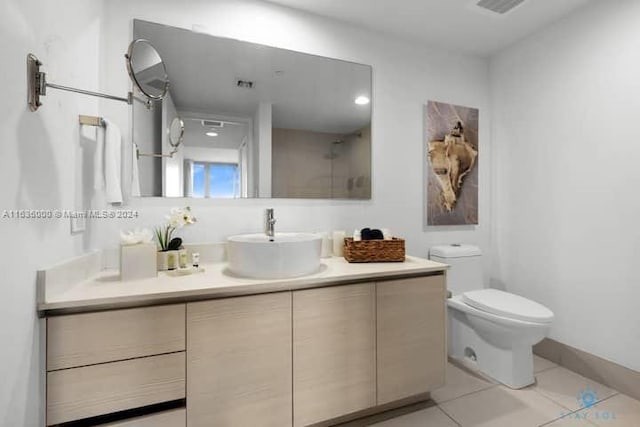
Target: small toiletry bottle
x=356 y=235
x=172 y=260
x=195 y=259
x=182 y=255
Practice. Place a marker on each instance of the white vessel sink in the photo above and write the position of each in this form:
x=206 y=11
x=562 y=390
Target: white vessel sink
x=282 y=256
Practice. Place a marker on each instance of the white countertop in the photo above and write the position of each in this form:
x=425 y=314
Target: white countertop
x=105 y=290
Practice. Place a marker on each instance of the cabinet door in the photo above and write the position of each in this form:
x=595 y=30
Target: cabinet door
x=411 y=337
x=333 y=352
x=239 y=361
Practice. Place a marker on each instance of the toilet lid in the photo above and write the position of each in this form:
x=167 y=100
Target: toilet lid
x=508 y=305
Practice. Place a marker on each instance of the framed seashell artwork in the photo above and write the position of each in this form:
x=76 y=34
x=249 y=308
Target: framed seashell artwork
x=451 y=148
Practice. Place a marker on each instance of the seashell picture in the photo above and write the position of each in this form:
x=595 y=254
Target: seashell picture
x=452 y=159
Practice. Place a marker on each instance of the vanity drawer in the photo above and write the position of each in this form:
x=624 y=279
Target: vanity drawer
x=174 y=418
x=107 y=336
x=74 y=394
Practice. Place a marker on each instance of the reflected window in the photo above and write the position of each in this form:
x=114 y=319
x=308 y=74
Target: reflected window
x=215 y=180
x=198 y=183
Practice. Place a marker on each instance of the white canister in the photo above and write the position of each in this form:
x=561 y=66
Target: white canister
x=327 y=247
x=386 y=233
x=338 y=242
x=138 y=261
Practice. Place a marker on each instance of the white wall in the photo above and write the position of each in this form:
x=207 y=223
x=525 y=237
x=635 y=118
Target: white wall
x=398 y=154
x=566 y=104
x=38 y=152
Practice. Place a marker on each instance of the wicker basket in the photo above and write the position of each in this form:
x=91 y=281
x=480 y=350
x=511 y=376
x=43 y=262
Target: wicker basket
x=374 y=250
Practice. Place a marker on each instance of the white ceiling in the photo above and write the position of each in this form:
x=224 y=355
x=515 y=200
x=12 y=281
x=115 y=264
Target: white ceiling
x=457 y=25
x=306 y=91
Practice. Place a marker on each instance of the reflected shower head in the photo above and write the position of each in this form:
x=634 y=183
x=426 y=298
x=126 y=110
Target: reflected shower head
x=332 y=154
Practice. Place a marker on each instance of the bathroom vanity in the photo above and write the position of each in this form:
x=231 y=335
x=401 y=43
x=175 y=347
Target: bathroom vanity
x=215 y=350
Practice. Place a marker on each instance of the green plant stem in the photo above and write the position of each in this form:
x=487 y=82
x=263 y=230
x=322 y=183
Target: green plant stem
x=158 y=231
x=163 y=234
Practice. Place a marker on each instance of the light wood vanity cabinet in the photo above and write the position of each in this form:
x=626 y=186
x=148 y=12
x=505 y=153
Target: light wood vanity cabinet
x=239 y=361
x=287 y=358
x=410 y=337
x=334 y=352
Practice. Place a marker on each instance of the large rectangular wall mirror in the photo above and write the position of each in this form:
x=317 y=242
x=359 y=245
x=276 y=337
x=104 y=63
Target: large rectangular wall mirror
x=258 y=121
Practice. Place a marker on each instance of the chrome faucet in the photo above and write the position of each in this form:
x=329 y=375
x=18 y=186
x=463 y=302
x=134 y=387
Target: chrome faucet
x=270 y=222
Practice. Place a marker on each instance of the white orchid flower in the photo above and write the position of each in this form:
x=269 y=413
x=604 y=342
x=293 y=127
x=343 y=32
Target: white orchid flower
x=177 y=218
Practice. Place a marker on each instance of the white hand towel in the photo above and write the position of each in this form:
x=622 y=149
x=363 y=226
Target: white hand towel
x=135 y=172
x=112 y=162
x=98 y=160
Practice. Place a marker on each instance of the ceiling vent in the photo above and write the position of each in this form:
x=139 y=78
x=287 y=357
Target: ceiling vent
x=499 y=6
x=212 y=124
x=247 y=84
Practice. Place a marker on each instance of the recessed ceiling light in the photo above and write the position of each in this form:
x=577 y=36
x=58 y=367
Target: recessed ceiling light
x=211 y=133
x=362 y=100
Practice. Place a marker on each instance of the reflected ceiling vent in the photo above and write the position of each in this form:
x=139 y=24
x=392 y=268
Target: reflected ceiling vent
x=212 y=123
x=246 y=84
x=499 y=6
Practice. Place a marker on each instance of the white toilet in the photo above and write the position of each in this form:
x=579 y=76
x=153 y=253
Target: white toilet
x=495 y=330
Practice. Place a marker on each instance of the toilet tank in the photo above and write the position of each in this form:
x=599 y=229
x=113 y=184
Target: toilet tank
x=465 y=273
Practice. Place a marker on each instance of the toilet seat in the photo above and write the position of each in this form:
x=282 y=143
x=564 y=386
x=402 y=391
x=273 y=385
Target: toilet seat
x=508 y=305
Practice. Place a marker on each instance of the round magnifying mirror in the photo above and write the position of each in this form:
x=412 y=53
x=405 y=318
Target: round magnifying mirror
x=176 y=132
x=146 y=69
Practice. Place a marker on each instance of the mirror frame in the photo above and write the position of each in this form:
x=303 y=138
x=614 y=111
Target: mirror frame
x=132 y=75
x=177 y=143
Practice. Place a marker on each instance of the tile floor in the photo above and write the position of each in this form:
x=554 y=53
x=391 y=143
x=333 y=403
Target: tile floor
x=556 y=400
